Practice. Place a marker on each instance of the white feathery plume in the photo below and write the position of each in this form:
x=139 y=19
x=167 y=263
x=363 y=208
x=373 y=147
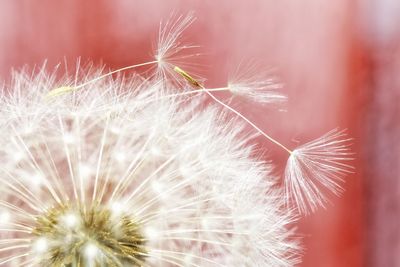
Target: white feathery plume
x=171 y=51
x=255 y=86
x=317 y=168
x=169 y=39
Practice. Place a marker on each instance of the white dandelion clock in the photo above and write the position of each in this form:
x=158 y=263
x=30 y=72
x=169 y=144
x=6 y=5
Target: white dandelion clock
x=317 y=168
x=115 y=176
x=142 y=171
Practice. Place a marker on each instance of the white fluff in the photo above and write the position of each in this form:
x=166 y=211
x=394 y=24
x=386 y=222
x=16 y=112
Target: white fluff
x=151 y=148
x=254 y=85
x=186 y=173
x=317 y=168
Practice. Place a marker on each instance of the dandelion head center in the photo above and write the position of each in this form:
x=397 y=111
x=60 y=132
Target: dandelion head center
x=75 y=235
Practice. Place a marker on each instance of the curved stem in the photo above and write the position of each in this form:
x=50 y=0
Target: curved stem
x=116 y=71
x=196 y=84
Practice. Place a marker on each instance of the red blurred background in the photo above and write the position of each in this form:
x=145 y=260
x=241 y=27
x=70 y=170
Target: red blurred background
x=339 y=61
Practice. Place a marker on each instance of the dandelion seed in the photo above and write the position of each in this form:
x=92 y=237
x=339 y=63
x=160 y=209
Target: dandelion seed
x=317 y=168
x=187 y=77
x=312 y=168
x=169 y=40
x=171 y=51
x=193 y=81
x=60 y=91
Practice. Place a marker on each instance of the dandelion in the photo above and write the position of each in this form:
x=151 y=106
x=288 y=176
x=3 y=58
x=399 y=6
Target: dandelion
x=154 y=184
x=135 y=171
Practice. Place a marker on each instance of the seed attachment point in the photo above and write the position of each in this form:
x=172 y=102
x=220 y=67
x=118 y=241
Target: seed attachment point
x=187 y=77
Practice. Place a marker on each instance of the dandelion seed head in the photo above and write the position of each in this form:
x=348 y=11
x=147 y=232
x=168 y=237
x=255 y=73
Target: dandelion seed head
x=135 y=171
x=175 y=184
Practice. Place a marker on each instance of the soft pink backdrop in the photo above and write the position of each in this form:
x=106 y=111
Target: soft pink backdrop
x=312 y=45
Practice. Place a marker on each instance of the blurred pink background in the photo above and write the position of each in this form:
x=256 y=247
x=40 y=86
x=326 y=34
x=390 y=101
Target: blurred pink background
x=339 y=61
